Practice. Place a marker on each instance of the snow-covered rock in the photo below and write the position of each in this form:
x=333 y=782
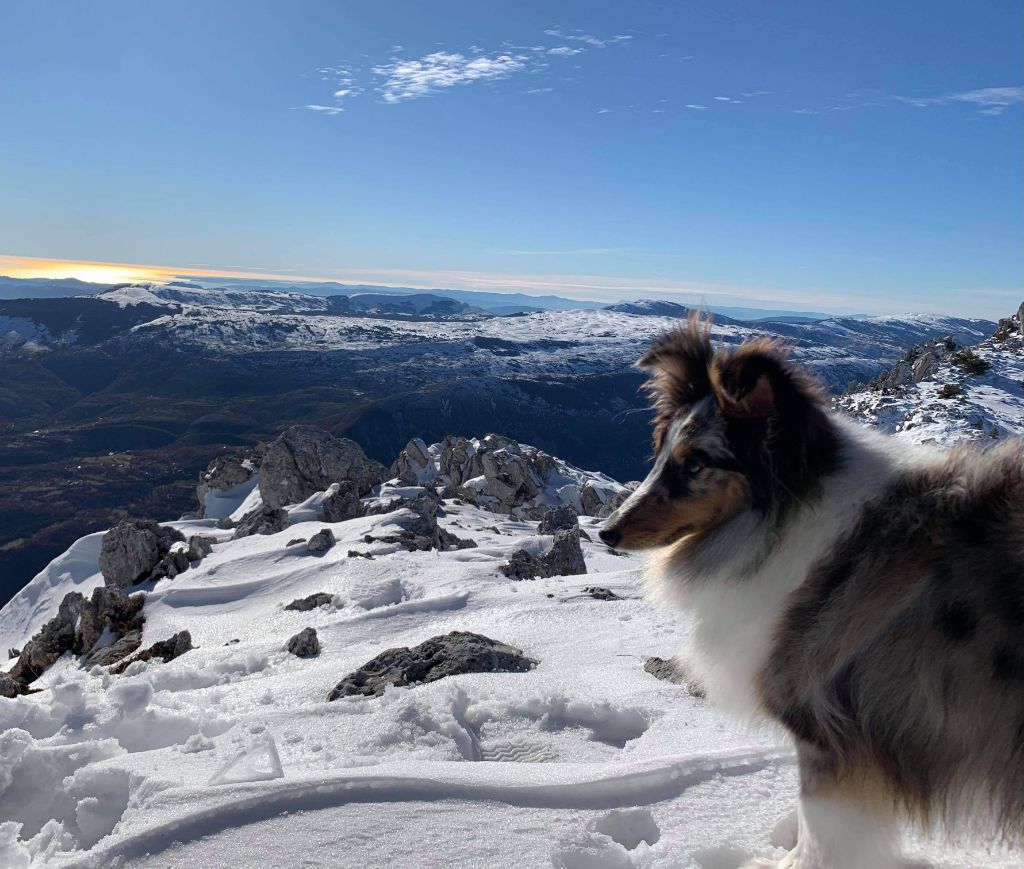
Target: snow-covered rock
x=133 y=550
x=448 y=655
x=964 y=392
x=504 y=476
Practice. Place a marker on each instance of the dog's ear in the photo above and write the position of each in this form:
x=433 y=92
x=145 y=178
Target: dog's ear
x=678 y=364
x=752 y=382
x=757 y=382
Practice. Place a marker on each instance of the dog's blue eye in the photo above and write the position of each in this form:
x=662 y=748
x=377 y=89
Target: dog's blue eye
x=693 y=468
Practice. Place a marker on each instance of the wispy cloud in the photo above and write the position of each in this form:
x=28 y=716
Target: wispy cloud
x=403 y=80
x=587 y=38
x=990 y=101
x=327 y=110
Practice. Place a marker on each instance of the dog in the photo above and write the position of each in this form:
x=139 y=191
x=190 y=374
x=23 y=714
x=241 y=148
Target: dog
x=866 y=595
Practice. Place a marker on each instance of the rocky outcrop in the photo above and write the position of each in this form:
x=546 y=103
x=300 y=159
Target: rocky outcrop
x=558 y=519
x=312 y=602
x=564 y=558
x=199 y=546
x=164 y=650
x=502 y=475
x=79 y=624
x=321 y=541
x=436 y=658
x=304 y=644
x=1011 y=327
x=305 y=460
x=342 y=503
x=920 y=362
x=261 y=520
x=418 y=526
x=223 y=474
x=136 y=550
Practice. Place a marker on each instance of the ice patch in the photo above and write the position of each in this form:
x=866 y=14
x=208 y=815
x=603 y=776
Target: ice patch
x=259 y=762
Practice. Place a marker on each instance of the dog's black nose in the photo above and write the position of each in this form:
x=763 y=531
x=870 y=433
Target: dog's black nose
x=609 y=536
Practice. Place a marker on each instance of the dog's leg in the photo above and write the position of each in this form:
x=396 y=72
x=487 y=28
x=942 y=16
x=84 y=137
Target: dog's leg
x=841 y=827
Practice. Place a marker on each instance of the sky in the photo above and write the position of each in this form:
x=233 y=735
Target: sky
x=847 y=157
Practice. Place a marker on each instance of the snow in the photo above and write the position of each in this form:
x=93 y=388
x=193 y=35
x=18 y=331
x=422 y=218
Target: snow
x=984 y=407
x=231 y=755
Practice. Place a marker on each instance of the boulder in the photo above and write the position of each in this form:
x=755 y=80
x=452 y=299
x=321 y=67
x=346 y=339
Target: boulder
x=164 y=650
x=199 y=546
x=342 y=503
x=222 y=474
x=261 y=520
x=436 y=658
x=413 y=466
x=305 y=460
x=312 y=602
x=304 y=644
x=558 y=519
x=522 y=565
x=13 y=652
x=564 y=558
x=131 y=550
x=321 y=541
x=10 y=687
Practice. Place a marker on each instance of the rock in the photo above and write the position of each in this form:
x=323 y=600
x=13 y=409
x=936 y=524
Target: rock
x=117 y=650
x=436 y=658
x=558 y=519
x=305 y=460
x=615 y=500
x=312 y=602
x=13 y=653
x=77 y=627
x=226 y=524
x=295 y=541
x=565 y=558
x=672 y=671
x=200 y=546
x=321 y=541
x=132 y=549
x=223 y=473
x=522 y=565
x=353 y=554
x=342 y=503
x=164 y=650
x=10 y=687
x=304 y=644
x=599 y=593
x=174 y=562
x=261 y=520
x=413 y=465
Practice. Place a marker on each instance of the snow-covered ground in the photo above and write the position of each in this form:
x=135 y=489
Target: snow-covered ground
x=952 y=404
x=231 y=755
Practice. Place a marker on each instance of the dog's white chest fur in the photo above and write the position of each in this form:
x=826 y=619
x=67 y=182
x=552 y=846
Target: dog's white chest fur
x=735 y=618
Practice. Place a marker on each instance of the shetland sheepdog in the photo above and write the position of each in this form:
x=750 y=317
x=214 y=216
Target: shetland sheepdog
x=866 y=595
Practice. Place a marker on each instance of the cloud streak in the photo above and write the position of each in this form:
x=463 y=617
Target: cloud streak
x=990 y=101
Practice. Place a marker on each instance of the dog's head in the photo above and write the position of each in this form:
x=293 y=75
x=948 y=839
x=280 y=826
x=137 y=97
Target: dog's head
x=735 y=429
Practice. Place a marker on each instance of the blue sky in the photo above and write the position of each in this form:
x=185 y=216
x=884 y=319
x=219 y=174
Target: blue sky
x=849 y=157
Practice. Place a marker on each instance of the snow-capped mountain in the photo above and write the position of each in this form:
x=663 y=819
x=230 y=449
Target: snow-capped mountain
x=362 y=679
x=945 y=391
